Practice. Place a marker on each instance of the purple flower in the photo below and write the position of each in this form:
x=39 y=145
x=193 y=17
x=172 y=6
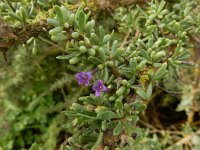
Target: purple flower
x=84 y=78
x=99 y=88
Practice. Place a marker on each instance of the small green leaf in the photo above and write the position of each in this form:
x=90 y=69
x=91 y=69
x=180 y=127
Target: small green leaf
x=83 y=49
x=112 y=77
x=102 y=54
x=95 y=60
x=106 y=38
x=129 y=128
x=29 y=41
x=88 y=131
x=101 y=33
x=81 y=21
x=161 y=6
x=139 y=105
x=111 y=124
x=87 y=41
x=133 y=63
x=145 y=55
x=35 y=50
x=23 y=13
x=141 y=44
x=114 y=46
x=65 y=56
x=106 y=115
x=74 y=60
x=132 y=118
x=159 y=55
x=104 y=125
x=120 y=91
x=88 y=100
x=110 y=64
x=89 y=26
x=65 y=13
x=105 y=75
x=98 y=142
x=149 y=90
x=158 y=43
x=91 y=52
x=119 y=52
x=59 y=14
x=75 y=35
x=118 y=129
x=187 y=11
x=161 y=72
x=55 y=30
x=112 y=98
x=94 y=38
x=71 y=19
x=43 y=3
x=15 y=16
x=141 y=65
x=59 y=37
x=119 y=104
x=141 y=92
x=79 y=10
x=53 y=22
x=151 y=27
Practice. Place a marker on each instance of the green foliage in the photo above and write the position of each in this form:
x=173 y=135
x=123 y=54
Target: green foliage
x=152 y=44
x=28 y=100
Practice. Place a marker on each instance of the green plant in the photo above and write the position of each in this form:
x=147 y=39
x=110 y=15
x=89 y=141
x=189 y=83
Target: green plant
x=157 y=41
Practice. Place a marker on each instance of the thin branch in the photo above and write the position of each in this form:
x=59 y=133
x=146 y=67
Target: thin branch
x=169 y=91
x=148 y=125
x=49 y=42
x=10 y=5
x=183 y=140
x=126 y=38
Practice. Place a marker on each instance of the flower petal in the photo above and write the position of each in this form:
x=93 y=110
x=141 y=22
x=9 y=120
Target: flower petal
x=104 y=89
x=94 y=88
x=80 y=81
x=100 y=83
x=97 y=93
x=77 y=76
x=86 y=82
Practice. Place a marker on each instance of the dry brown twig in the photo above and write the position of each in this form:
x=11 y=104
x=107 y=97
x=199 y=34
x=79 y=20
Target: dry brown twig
x=184 y=140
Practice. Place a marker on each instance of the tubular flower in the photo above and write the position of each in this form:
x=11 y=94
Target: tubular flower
x=84 y=78
x=99 y=88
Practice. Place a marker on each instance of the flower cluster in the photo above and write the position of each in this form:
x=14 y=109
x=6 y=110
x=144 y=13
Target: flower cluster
x=85 y=77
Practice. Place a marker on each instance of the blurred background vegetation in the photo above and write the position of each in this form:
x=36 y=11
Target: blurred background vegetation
x=35 y=89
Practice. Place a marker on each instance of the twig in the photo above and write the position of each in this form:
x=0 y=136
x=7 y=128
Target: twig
x=49 y=42
x=10 y=5
x=168 y=91
x=183 y=140
x=126 y=38
x=171 y=132
x=155 y=130
x=148 y=125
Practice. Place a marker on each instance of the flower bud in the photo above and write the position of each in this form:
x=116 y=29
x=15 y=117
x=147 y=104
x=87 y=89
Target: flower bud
x=91 y=52
x=120 y=91
x=110 y=63
x=83 y=49
x=75 y=35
